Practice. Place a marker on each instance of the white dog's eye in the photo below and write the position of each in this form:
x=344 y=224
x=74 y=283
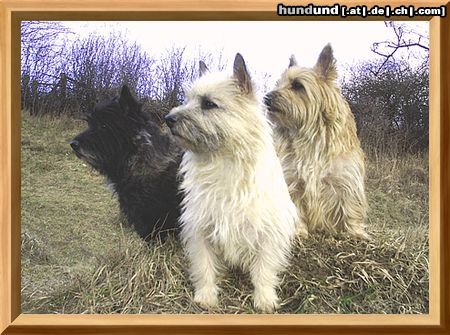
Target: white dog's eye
x=208 y=104
x=297 y=86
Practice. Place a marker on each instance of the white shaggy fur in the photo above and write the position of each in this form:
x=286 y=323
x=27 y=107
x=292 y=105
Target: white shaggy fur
x=236 y=205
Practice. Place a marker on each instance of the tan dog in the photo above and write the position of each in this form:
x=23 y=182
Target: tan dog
x=316 y=140
x=236 y=208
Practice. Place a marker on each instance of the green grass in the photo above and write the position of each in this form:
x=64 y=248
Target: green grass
x=79 y=257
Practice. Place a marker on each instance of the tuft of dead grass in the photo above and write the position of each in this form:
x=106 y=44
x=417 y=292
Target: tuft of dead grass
x=78 y=256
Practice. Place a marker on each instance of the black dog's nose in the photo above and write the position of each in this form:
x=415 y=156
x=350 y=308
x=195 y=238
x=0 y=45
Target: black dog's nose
x=75 y=145
x=170 y=120
x=268 y=99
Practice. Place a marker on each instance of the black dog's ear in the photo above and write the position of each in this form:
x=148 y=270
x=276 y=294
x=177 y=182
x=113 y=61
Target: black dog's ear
x=241 y=74
x=126 y=100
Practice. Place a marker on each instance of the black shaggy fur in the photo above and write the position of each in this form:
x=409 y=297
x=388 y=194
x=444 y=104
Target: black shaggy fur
x=139 y=161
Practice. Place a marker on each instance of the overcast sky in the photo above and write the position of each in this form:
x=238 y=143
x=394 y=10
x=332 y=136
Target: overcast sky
x=266 y=46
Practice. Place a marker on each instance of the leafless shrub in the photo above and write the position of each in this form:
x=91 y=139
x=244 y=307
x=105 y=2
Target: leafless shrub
x=43 y=60
x=100 y=65
x=62 y=76
x=390 y=107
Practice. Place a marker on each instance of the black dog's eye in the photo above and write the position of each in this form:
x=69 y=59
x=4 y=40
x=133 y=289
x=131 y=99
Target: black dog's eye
x=297 y=86
x=208 y=104
x=86 y=118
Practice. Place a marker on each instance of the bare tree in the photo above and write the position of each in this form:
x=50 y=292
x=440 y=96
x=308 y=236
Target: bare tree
x=42 y=60
x=403 y=38
x=42 y=45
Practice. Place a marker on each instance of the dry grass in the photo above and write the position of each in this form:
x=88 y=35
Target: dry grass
x=77 y=257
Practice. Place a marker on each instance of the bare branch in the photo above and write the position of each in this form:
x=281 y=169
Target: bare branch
x=403 y=39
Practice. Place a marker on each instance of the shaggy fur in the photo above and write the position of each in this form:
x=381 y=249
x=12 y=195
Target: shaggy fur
x=236 y=205
x=138 y=160
x=316 y=140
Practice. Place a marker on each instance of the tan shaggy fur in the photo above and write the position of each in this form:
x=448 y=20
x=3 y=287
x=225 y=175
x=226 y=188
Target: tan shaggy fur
x=316 y=140
x=236 y=208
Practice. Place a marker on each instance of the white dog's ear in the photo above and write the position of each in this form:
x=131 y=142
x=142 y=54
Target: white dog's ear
x=241 y=74
x=202 y=68
x=326 y=64
x=292 y=61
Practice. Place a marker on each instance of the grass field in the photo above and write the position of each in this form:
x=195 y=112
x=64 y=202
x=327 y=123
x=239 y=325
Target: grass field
x=79 y=257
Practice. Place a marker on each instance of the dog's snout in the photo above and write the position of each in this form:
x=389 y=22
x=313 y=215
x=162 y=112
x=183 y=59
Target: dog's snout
x=75 y=145
x=268 y=99
x=170 y=120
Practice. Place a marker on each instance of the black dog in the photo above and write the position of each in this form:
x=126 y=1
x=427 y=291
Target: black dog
x=138 y=159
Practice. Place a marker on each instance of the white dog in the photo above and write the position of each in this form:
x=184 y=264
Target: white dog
x=236 y=203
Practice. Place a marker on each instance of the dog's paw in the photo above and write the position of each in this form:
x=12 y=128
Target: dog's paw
x=363 y=237
x=207 y=296
x=302 y=231
x=266 y=300
x=360 y=234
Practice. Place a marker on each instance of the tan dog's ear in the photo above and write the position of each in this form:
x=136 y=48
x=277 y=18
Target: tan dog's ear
x=326 y=64
x=292 y=61
x=241 y=74
x=202 y=68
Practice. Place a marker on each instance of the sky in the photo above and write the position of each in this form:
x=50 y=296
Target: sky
x=265 y=46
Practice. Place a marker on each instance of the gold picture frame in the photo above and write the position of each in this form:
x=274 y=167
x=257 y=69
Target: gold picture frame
x=13 y=322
